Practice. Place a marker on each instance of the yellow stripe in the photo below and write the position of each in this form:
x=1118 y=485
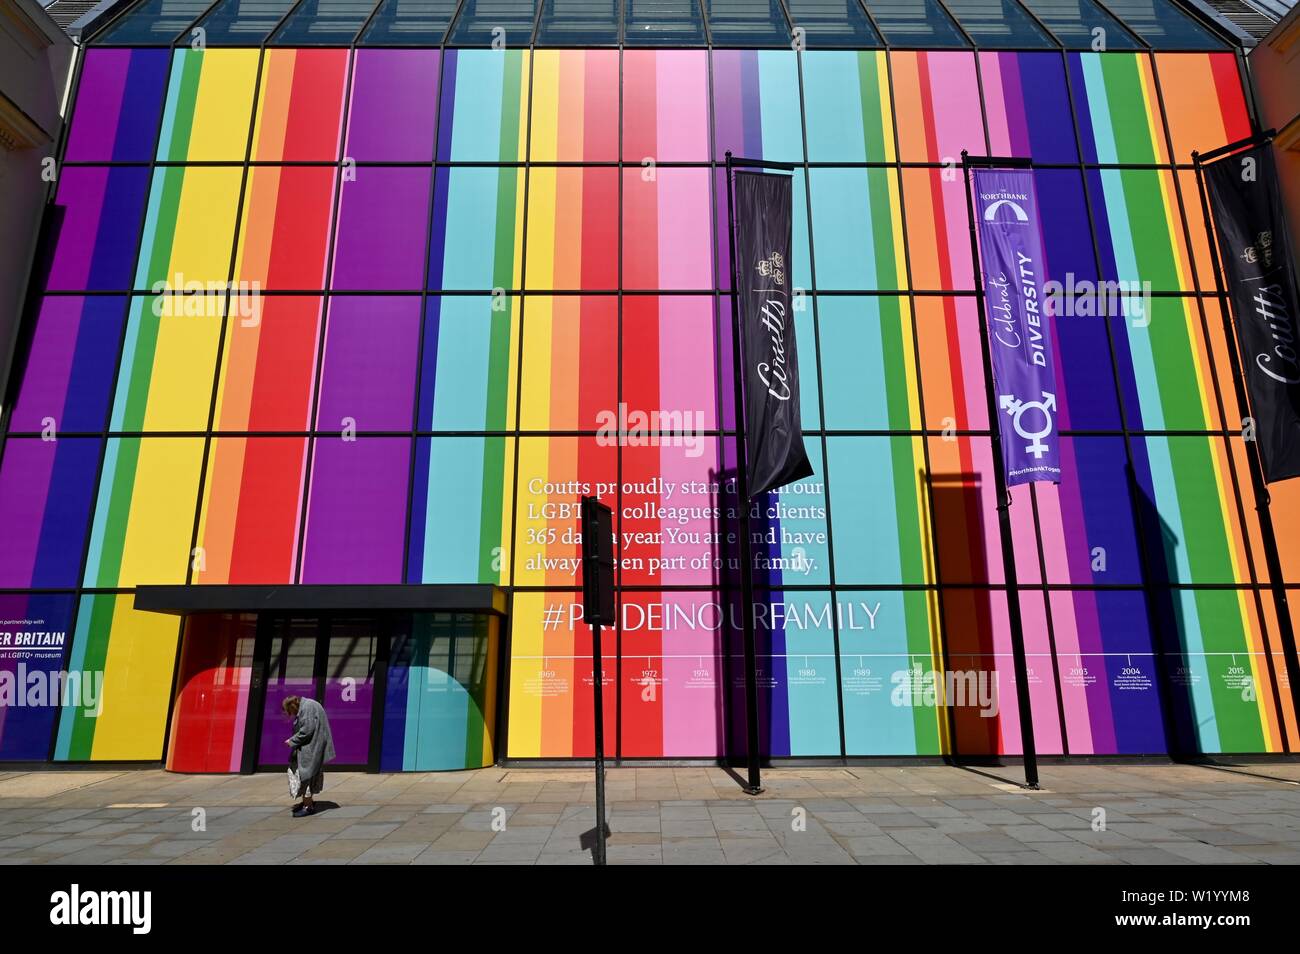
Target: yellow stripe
x=180 y=385
x=223 y=106
x=541 y=229
x=205 y=229
x=139 y=663
x=157 y=545
x=525 y=736
x=886 y=113
x=546 y=105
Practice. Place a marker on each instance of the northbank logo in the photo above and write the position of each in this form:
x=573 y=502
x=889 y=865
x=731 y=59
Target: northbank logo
x=1008 y=199
x=76 y=907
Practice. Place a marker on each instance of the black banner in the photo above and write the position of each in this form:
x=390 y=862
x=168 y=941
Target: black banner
x=1261 y=281
x=774 y=439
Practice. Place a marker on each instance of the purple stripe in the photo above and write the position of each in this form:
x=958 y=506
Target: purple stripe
x=49 y=367
x=99 y=106
x=369 y=373
x=24 y=495
x=355 y=510
x=79 y=206
x=394 y=105
x=1017 y=124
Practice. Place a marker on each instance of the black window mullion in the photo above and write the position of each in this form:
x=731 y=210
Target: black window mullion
x=1039 y=23
x=951 y=16
x=206 y=10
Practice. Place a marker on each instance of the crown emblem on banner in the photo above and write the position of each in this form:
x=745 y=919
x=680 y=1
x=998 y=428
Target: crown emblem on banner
x=773 y=267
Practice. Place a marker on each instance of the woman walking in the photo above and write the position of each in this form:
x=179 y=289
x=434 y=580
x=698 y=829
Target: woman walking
x=311 y=746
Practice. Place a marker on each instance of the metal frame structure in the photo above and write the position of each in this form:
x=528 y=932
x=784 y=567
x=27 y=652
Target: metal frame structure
x=718 y=293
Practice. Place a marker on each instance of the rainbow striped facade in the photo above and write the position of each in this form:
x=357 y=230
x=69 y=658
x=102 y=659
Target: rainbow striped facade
x=468 y=259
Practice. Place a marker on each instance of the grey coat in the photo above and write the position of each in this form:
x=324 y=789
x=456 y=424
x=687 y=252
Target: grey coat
x=311 y=740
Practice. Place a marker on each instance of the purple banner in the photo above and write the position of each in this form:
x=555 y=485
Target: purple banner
x=1024 y=376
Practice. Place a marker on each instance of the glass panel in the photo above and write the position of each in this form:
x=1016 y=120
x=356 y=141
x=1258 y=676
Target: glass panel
x=1164 y=26
x=915 y=23
x=999 y=24
x=409 y=23
x=829 y=23
x=662 y=23
x=1080 y=23
x=212 y=689
x=324 y=23
x=349 y=684
x=243 y=22
x=480 y=20
x=291 y=673
x=746 y=23
x=578 y=23
x=441 y=699
x=154 y=23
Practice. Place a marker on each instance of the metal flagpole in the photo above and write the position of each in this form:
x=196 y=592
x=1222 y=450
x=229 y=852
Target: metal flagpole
x=1004 y=495
x=1286 y=629
x=754 y=784
x=599 y=713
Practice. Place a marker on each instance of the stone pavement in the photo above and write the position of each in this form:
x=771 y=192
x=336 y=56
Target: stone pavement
x=1164 y=814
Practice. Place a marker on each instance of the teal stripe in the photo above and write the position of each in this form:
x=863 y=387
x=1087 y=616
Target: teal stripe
x=873 y=725
x=76 y=663
x=471 y=229
x=1103 y=131
x=842 y=230
x=453 y=515
x=853 y=364
x=103 y=505
x=833 y=95
x=865 y=470
x=157 y=189
x=476 y=126
x=814 y=711
x=121 y=399
x=464 y=356
x=174 y=84
x=778 y=90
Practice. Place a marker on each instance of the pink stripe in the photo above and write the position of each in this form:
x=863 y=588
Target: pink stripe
x=1074 y=698
x=956 y=104
x=690 y=713
x=681 y=85
x=683 y=243
x=1042 y=686
x=686 y=364
x=995 y=105
x=1049 y=519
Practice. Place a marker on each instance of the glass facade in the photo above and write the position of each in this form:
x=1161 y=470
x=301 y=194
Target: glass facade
x=473 y=268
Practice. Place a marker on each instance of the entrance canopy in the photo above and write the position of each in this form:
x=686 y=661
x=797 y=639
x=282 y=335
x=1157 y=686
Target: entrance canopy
x=482 y=598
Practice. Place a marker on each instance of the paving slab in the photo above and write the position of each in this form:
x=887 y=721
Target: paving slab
x=1155 y=815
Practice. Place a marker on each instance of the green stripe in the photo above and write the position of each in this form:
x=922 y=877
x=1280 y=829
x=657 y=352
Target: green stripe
x=873 y=131
x=919 y=635
x=170 y=181
x=96 y=653
x=1128 y=112
x=121 y=485
x=183 y=122
x=904 y=466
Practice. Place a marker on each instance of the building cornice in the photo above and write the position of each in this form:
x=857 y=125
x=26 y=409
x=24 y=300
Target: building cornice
x=17 y=129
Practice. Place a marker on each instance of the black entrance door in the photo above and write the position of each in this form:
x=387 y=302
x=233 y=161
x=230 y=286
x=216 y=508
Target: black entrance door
x=331 y=659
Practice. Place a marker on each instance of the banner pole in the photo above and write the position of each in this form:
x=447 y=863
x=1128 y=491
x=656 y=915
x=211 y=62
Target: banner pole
x=754 y=783
x=1286 y=630
x=599 y=713
x=1004 y=512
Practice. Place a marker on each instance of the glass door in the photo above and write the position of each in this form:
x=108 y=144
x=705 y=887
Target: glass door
x=290 y=671
x=329 y=659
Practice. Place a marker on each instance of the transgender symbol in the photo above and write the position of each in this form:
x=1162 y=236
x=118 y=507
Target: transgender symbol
x=1017 y=408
